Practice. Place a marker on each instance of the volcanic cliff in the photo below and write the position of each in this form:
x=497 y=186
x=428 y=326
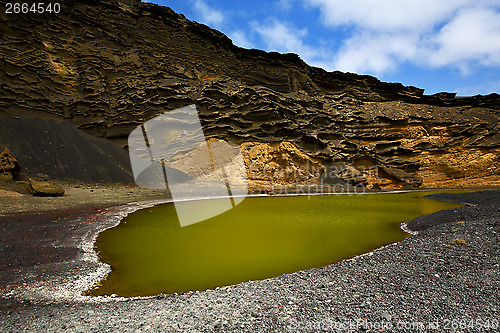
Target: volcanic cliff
x=109 y=66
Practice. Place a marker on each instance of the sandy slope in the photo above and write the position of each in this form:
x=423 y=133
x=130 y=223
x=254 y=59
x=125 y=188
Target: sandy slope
x=77 y=196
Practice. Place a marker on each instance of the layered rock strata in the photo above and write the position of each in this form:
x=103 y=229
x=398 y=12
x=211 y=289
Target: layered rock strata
x=109 y=66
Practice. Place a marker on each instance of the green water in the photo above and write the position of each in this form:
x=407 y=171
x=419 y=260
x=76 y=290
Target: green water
x=262 y=237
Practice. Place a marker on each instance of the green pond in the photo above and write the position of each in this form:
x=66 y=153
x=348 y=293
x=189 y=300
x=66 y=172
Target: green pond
x=261 y=237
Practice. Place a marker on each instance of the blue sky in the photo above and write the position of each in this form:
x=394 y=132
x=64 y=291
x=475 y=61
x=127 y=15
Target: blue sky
x=438 y=45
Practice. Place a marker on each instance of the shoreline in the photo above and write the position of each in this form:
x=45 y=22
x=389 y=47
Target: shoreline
x=111 y=217
x=14 y=199
x=36 y=297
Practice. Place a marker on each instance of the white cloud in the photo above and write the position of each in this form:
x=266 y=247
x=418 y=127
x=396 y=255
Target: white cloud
x=239 y=38
x=431 y=33
x=285 y=4
x=379 y=36
x=208 y=15
x=283 y=37
x=280 y=36
x=473 y=35
x=386 y=15
x=479 y=89
x=376 y=53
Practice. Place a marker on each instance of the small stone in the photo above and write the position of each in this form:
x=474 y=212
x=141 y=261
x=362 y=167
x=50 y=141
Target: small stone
x=42 y=176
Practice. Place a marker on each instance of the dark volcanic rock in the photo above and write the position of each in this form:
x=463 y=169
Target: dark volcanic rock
x=59 y=150
x=108 y=66
x=484 y=203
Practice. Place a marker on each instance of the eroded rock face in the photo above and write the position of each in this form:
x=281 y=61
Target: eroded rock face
x=279 y=164
x=108 y=66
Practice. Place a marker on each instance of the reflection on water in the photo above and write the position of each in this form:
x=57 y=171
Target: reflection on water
x=262 y=237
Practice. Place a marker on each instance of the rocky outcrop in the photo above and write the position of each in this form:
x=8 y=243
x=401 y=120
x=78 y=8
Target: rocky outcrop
x=9 y=164
x=108 y=66
x=279 y=164
x=403 y=177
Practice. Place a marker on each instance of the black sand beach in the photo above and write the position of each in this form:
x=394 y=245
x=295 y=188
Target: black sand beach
x=427 y=282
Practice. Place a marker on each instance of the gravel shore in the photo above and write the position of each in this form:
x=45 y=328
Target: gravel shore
x=427 y=282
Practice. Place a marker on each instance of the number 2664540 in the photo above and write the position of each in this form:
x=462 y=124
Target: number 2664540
x=35 y=8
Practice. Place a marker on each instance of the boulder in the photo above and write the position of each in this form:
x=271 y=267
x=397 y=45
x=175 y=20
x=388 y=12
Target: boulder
x=8 y=164
x=402 y=176
x=41 y=188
